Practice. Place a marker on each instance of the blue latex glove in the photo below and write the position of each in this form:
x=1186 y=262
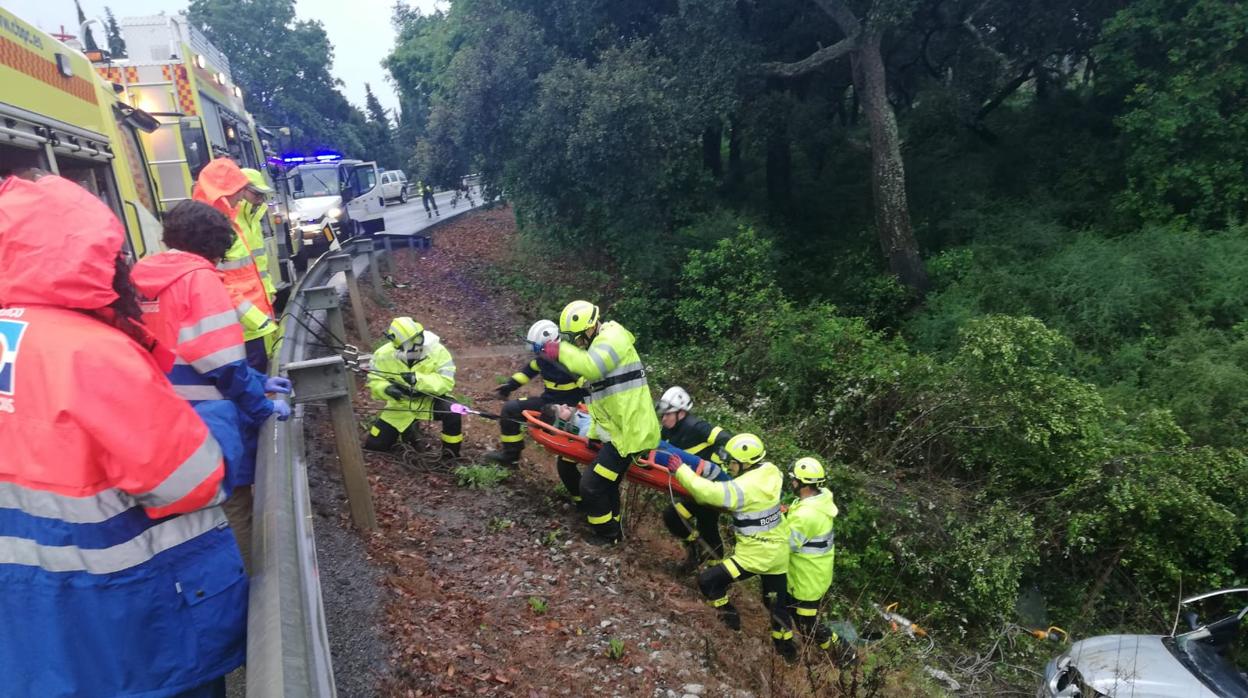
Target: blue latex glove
x=281 y=409
x=277 y=384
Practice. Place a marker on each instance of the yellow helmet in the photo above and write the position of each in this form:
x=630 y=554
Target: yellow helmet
x=577 y=317
x=404 y=330
x=808 y=471
x=746 y=448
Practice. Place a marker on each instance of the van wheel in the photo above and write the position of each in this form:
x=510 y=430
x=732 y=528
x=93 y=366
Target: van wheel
x=403 y=196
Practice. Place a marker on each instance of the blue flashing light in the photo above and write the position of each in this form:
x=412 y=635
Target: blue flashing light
x=318 y=156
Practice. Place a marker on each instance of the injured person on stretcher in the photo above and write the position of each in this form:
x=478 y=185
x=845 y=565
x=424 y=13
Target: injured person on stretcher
x=577 y=421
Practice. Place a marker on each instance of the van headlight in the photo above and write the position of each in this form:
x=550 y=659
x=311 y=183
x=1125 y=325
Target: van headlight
x=334 y=212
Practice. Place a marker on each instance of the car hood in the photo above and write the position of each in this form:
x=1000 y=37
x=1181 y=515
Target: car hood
x=313 y=207
x=1134 y=665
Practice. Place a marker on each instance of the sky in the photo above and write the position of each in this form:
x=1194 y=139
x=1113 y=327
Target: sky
x=360 y=31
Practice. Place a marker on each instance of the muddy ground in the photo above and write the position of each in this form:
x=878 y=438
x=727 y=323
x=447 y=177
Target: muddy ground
x=491 y=592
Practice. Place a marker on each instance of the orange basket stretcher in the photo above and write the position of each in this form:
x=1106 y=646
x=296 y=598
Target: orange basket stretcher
x=642 y=471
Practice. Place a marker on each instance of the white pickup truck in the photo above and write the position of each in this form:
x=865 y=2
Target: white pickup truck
x=334 y=200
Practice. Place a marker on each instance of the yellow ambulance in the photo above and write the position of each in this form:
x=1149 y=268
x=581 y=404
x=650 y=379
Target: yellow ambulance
x=57 y=115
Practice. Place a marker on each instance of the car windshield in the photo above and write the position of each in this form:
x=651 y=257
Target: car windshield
x=1209 y=665
x=315 y=181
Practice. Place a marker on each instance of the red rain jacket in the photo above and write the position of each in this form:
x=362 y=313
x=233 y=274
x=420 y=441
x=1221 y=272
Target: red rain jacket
x=188 y=307
x=217 y=181
x=119 y=574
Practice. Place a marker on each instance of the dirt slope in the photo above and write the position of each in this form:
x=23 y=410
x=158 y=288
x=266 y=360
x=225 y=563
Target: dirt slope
x=492 y=592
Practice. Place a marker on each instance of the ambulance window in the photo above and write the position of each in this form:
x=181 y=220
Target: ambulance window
x=139 y=172
x=14 y=159
x=197 y=155
x=95 y=177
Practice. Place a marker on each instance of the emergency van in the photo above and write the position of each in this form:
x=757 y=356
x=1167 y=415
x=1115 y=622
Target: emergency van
x=58 y=115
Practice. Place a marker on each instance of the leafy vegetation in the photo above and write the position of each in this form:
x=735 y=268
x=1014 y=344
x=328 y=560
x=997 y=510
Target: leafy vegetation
x=481 y=476
x=1056 y=411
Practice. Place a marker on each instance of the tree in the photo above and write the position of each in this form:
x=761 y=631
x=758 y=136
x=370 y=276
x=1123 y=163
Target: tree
x=862 y=43
x=379 y=136
x=116 y=44
x=88 y=41
x=283 y=66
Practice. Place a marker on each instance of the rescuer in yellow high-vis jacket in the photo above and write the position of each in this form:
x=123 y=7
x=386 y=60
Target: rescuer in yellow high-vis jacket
x=618 y=400
x=414 y=373
x=812 y=547
x=251 y=211
x=752 y=497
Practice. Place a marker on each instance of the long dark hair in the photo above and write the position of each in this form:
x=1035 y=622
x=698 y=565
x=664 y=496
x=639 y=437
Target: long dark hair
x=125 y=313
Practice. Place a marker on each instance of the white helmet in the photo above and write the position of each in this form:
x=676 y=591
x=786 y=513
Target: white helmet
x=674 y=400
x=541 y=332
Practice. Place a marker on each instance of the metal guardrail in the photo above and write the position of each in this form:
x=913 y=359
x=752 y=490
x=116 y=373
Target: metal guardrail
x=287 y=638
x=288 y=650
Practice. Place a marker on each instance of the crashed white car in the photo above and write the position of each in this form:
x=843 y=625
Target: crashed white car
x=1193 y=664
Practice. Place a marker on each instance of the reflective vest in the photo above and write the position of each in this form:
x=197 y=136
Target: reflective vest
x=187 y=307
x=560 y=386
x=753 y=499
x=618 y=396
x=250 y=221
x=118 y=573
x=812 y=545
x=434 y=376
x=217 y=181
x=699 y=437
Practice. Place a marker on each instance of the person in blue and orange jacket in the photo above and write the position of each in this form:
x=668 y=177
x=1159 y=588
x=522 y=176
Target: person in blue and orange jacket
x=187 y=307
x=118 y=572
x=222 y=185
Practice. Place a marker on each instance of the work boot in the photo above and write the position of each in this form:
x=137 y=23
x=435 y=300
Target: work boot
x=728 y=616
x=508 y=455
x=787 y=649
x=450 y=451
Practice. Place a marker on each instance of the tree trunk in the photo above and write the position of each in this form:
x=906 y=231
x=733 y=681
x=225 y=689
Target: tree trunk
x=888 y=171
x=779 y=167
x=712 y=139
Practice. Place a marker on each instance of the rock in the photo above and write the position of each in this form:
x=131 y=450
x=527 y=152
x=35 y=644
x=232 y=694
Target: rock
x=604 y=623
x=638 y=670
x=694 y=688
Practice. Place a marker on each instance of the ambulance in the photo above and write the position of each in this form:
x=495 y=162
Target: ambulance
x=174 y=72
x=56 y=114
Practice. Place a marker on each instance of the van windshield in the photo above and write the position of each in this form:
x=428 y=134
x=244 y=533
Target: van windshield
x=315 y=181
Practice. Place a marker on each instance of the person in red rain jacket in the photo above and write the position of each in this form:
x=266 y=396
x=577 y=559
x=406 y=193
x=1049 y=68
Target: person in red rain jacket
x=118 y=572
x=221 y=185
x=186 y=305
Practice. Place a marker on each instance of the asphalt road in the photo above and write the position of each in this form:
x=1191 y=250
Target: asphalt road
x=408 y=218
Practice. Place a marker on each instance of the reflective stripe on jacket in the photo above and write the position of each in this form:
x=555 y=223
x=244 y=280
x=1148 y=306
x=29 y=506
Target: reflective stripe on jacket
x=753 y=499
x=560 y=386
x=699 y=437
x=188 y=308
x=434 y=375
x=812 y=545
x=618 y=395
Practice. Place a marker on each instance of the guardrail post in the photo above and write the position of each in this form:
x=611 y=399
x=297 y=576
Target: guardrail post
x=367 y=246
x=327 y=379
x=341 y=262
x=386 y=254
x=326 y=298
